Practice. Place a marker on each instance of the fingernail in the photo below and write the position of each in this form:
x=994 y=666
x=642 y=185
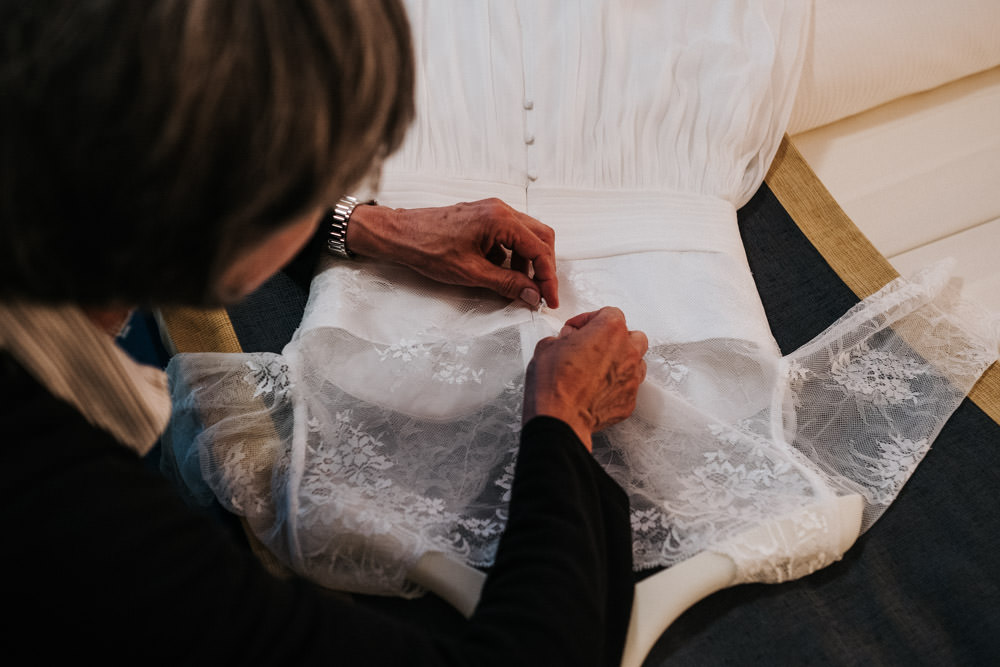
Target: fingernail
x=566 y=330
x=530 y=296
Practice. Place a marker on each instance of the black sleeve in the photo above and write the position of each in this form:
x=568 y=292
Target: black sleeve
x=562 y=584
x=101 y=558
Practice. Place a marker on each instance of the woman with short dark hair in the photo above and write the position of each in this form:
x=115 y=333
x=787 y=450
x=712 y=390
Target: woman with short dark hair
x=180 y=152
x=150 y=142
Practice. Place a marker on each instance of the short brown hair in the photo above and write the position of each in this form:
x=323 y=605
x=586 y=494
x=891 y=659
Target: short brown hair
x=143 y=142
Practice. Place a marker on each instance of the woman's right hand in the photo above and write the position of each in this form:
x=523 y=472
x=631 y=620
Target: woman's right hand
x=588 y=375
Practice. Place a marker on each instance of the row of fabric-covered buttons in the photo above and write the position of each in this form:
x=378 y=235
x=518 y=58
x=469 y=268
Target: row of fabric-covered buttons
x=529 y=138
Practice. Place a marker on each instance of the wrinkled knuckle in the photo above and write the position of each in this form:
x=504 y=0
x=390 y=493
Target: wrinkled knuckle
x=508 y=285
x=616 y=322
x=547 y=234
x=496 y=206
x=615 y=313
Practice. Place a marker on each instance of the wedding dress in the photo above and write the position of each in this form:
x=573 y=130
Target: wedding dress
x=387 y=429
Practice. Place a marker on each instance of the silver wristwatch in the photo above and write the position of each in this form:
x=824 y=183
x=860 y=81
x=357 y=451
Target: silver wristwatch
x=338 y=217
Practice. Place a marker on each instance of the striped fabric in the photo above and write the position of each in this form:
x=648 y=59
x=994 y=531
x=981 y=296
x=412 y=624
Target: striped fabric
x=83 y=366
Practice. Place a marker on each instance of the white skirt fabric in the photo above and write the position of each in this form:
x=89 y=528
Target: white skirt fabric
x=388 y=427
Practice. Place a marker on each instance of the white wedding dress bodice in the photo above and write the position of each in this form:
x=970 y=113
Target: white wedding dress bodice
x=633 y=129
x=388 y=427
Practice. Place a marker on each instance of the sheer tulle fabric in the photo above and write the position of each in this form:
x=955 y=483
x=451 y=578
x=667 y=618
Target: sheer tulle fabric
x=351 y=492
x=388 y=427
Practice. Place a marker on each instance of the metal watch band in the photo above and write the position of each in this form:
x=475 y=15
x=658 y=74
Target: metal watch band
x=340 y=215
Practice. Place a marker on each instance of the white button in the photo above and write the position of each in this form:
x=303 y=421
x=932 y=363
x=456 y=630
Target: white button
x=529 y=104
x=532 y=176
x=529 y=139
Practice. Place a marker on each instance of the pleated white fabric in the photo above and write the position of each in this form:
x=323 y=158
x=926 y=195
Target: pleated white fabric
x=388 y=427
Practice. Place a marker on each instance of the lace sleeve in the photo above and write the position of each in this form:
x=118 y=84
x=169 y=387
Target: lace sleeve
x=345 y=490
x=851 y=413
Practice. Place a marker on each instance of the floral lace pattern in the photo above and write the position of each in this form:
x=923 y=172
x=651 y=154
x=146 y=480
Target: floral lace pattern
x=356 y=460
x=665 y=361
x=789 y=549
x=451 y=368
x=890 y=466
x=877 y=375
x=739 y=489
x=447 y=365
x=351 y=493
x=267 y=375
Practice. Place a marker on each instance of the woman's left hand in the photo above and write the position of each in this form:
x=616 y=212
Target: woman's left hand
x=464 y=244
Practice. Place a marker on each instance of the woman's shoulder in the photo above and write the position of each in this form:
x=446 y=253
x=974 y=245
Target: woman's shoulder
x=39 y=426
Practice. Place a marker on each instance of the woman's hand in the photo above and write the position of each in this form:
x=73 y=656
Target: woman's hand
x=465 y=244
x=589 y=375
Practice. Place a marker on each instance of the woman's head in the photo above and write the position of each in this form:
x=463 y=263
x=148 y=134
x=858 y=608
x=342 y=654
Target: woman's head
x=145 y=145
